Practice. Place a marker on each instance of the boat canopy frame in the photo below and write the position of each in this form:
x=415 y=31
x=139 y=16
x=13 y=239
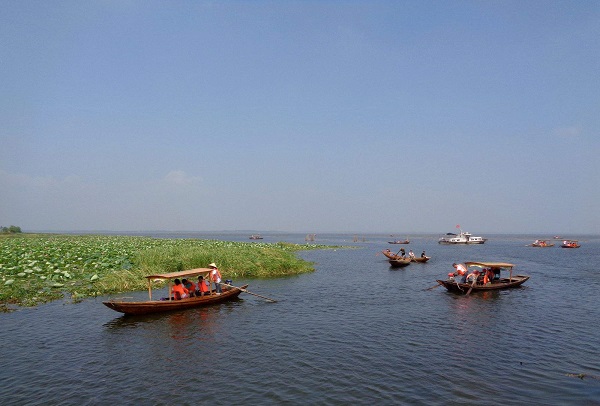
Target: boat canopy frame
x=172 y=275
x=500 y=265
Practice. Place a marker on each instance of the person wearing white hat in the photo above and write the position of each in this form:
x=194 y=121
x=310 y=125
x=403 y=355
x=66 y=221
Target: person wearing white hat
x=215 y=276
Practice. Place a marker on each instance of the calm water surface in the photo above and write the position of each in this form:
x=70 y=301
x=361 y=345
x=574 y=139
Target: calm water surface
x=353 y=332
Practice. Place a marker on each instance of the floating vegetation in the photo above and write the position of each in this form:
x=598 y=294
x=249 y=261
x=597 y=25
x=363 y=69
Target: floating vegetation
x=40 y=268
x=583 y=376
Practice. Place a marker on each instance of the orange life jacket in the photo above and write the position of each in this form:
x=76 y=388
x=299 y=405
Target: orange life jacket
x=215 y=275
x=179 y=291
x=202 y=287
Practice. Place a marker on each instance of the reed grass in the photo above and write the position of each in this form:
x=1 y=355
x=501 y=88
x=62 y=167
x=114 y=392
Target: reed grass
x=40 y=268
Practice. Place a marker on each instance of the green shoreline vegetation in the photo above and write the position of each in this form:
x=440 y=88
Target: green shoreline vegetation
x=38 y=268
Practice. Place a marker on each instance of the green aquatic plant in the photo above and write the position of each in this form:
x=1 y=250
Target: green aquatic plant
x=40 y=268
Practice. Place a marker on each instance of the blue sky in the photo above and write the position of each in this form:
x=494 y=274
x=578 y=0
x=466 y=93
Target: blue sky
x=301 y=116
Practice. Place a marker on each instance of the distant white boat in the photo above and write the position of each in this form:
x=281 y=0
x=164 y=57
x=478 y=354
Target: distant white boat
x=461 y=238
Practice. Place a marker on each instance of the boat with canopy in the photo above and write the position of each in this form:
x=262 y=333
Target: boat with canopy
x=570 y=244
x=484 y=276
x=541 y=244
x=229 y=292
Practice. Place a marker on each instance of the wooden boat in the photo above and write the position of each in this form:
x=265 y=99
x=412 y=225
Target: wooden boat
x=541 y=244
x=420 y=259
x=390 y=254
x=399 y=263
x=255 y=237
x=570 y=244
x=399 y=242
x=496 y=283
x=165 y=305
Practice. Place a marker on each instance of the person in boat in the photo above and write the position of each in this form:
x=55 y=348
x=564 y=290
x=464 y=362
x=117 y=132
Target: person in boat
x=496 y=272
x=423 y=254
x=411 y=254
x=179 y=291
x=190 y=286
x=488 y=276
x=202 y=287
x=472 y=277
x=402 y=253
x=215 y=276
x=460 y=271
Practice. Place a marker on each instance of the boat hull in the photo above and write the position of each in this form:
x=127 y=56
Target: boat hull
x=399 y=263
x=157 y=306
x=461 y=238
x=420 y=259
x=503 y=283
x=452 y=241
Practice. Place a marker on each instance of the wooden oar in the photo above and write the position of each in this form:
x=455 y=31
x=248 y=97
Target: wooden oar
x=433 y=287
x=250 y=293
x=471 y=288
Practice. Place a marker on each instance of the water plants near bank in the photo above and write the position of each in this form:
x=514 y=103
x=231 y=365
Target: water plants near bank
x=39 y=268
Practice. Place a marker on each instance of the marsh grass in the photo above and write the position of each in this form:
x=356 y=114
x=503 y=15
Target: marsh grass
x=40 y=268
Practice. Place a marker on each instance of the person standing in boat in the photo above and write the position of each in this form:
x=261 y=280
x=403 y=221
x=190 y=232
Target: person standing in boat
x=179 y=291
x=403 y=253
x=215 y=276
x=461 y=271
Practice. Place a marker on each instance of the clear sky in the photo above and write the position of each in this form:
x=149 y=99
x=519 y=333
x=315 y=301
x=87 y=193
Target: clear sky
x=301 y=116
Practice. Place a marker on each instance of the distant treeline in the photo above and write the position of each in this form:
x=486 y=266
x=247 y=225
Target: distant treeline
x=10 y=230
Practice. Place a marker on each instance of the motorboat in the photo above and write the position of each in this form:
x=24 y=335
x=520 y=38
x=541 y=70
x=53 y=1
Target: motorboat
x=461 y=238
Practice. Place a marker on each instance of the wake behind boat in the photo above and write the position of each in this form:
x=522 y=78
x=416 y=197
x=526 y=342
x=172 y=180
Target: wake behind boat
x=169 y=304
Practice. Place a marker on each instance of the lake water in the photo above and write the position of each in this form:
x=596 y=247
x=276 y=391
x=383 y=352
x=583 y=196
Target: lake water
x=353 y=332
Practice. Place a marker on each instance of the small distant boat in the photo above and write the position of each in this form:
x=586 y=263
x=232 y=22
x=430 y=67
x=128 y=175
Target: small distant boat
x=557 y=237
x=570 y=244
x=399 y=242
x=390 y=255
x=477 y=284
x=155 y=306
x=256 y=237
x=399 y=263
x=541 y=244
x=461 y=238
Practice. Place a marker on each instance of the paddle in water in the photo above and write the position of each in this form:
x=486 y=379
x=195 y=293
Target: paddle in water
x=250 y=293
x=471 y=288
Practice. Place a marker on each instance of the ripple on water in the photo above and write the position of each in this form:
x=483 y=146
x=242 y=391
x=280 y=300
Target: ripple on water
x=353 y=332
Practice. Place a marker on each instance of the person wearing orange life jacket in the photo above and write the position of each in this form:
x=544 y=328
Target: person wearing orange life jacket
x=179 y=291
x=202 y=287
x=215 y=276
x=461 y=272
x=189 y=285
x=488 y=276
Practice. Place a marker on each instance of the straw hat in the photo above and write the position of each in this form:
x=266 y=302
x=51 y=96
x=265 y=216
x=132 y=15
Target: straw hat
x=212 y=265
